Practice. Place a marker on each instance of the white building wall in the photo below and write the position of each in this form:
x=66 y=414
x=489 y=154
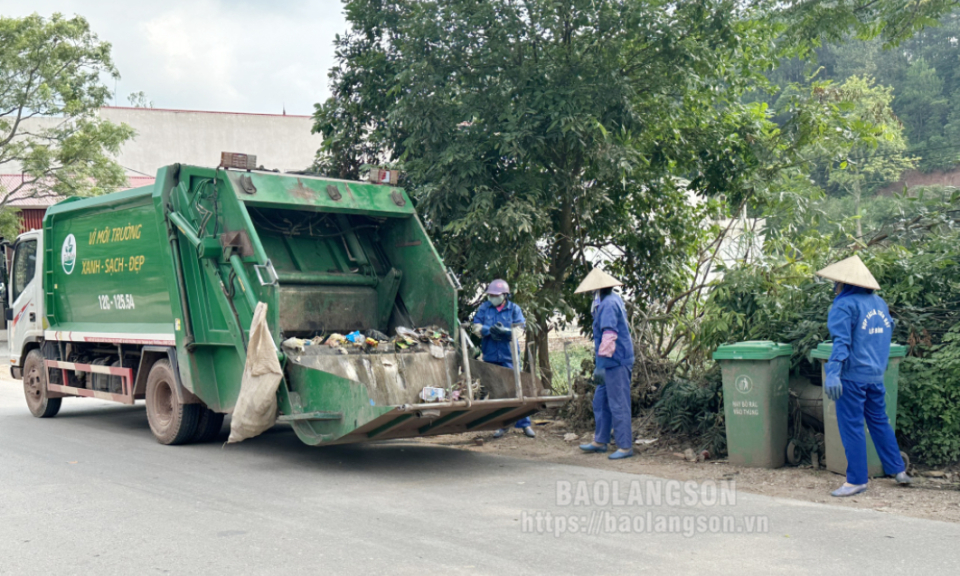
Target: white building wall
x=166 y=137
x=189 y=137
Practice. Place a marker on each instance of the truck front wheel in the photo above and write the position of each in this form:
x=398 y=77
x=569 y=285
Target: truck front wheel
x=35 y=387
x=170 y=421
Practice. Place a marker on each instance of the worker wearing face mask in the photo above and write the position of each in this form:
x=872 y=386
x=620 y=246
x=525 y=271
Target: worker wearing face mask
x=861 y=327
x=493 y=323
x=613 y=346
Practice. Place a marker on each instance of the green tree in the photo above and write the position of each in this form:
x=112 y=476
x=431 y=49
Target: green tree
x=923 y=108
x=892 y=20
x=851 y=58
x=951 y=130
x=537 y=135
x=51 y=91
x=923 y=70
x=878 y=160
x=354 y=122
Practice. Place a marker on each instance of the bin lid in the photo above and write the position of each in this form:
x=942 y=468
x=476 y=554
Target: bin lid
x=824 y=349
x=752 y=350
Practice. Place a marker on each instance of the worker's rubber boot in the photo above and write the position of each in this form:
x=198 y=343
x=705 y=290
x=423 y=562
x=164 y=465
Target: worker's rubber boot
x=903 y=479
x=620 y=454
x=591 y=447
x=528 y=430
x=849 y=490
x=499 y=433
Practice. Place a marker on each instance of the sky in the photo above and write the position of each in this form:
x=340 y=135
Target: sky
x=229 y=56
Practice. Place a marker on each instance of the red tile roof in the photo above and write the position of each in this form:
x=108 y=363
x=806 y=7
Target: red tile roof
x=138 y=181
x=23 y=198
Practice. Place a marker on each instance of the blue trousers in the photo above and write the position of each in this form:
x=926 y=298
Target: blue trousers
x=861 y=401
x=611 y=408
x=523 y=422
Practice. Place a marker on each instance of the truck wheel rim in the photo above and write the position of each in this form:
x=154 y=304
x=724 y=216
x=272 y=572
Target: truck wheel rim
x=164 y=404
x=33 y=387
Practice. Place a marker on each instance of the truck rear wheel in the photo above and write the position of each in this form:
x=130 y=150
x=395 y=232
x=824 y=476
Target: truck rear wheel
x=35 y=387
x=170 y=421
x=208 y=426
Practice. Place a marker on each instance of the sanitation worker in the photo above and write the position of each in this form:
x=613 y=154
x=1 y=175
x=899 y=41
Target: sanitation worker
x=613 y=346
x=861 y=327
x=494 y=322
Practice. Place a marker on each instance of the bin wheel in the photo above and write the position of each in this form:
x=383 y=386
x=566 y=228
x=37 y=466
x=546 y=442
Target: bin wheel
x=793 y=453
x=35 y=387
x=170 y=421
x=906 y=460
x=208 y=426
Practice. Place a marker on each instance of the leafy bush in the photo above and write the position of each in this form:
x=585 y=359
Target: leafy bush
x=695 y=409
x=930 y=401
x=776 y=300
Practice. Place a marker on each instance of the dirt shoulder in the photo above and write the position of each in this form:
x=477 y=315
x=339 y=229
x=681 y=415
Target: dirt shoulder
x=928 y=498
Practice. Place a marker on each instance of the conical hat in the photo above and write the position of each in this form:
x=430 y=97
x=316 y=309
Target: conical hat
x=850 y=271
x=597 y=279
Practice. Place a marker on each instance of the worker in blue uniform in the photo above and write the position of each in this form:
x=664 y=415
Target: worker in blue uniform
x=496 y=320
x=861 y=327
x=613 y=347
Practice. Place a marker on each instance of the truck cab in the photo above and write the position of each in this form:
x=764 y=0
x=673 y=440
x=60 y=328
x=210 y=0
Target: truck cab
x=24 y=299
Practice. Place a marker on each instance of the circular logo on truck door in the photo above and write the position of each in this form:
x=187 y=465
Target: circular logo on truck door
x=68 y=254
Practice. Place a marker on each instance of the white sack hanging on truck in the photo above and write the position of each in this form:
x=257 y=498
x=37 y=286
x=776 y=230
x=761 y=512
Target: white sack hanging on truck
x=256 y=409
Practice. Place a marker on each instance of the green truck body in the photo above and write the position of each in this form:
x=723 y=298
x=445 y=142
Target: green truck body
x=149 y=294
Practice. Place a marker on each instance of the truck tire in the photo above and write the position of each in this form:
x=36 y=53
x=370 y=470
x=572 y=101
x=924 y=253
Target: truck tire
x=35 y=387
x=170 y=421
x=208 y=426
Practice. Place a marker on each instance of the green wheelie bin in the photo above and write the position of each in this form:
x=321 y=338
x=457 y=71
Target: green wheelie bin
x=755 y=394
x=836 y=459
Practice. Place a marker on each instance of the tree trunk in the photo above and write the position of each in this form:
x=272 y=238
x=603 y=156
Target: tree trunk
x=560 y=260
x=542 y=342
x=856 y=195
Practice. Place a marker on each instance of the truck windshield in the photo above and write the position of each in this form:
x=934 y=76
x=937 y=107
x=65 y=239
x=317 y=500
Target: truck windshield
x=24 y=266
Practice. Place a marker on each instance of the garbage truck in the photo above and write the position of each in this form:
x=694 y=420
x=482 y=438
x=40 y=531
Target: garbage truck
x=149 y=294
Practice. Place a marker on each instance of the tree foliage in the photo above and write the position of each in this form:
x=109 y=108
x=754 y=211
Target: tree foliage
x=891 y=20
x=541 y=136
x=537 y=135
x=881 y=160
x=929 y=414
x=52 y=69
x=922 y=71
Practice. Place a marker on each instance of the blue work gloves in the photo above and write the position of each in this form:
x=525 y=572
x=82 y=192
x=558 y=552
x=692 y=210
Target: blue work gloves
x=500 y=333
x=832 y=386
x=599 y=376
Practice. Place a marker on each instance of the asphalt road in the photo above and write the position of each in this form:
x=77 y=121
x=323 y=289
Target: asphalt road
x=91 y=492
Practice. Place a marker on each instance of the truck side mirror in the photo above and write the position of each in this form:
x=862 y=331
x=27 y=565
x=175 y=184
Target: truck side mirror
x=8 y=313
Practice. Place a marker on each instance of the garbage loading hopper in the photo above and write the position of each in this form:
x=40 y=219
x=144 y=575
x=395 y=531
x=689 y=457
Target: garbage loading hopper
x=360 y=395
